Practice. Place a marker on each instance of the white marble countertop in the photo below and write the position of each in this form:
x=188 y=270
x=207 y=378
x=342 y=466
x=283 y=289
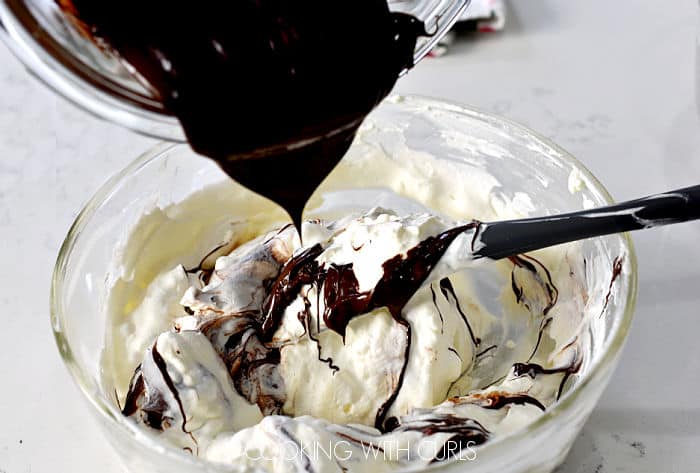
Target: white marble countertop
x=612 y=82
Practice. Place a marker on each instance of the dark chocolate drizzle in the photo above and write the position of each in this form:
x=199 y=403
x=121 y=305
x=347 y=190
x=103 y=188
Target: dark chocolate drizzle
x=300 y=453
x=540 y=333
x=342 y=297
x=530 y=264
x=449 y=291
x=149 y=401
x=203 y=271
x=304 y=319
x=302 y=269
x=384 y=408
x=498 y=399
x=455 y=352
x=145 y=398
x=201 y=265
x=442 y=320
x=137 y=388
x=617 y=270
x=517 y=290
x=163 y=368
x=533 y=370
x=467 y=433
x=486 y=350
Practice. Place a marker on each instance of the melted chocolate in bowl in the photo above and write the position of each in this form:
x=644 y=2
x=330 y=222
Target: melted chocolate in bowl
x=273 y=90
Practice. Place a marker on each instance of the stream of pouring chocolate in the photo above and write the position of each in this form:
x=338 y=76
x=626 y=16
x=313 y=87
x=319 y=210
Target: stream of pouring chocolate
x=272 y=90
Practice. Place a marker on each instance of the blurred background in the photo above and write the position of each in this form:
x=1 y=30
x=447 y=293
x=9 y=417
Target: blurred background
x=614 y=83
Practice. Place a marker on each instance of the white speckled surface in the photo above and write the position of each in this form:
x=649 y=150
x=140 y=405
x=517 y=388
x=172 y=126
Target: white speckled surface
x=612 y=82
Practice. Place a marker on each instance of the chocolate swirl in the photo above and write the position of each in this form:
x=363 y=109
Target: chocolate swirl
x=466 y=433
x=342 y=299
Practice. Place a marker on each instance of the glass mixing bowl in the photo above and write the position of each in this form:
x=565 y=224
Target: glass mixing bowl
x=520 y=160
x=55 y=51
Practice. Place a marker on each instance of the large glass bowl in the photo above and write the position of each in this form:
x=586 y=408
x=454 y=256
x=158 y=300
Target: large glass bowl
x=521 y=160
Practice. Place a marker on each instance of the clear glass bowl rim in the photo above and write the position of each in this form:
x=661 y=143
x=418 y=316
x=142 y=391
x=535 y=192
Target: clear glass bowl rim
x=105 y=409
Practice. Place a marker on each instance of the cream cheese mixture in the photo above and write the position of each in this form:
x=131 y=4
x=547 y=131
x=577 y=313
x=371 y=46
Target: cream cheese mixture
x=373 y=346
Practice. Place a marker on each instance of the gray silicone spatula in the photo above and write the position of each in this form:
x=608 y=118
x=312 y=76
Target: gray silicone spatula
x=507 y=238
x=496 y=240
